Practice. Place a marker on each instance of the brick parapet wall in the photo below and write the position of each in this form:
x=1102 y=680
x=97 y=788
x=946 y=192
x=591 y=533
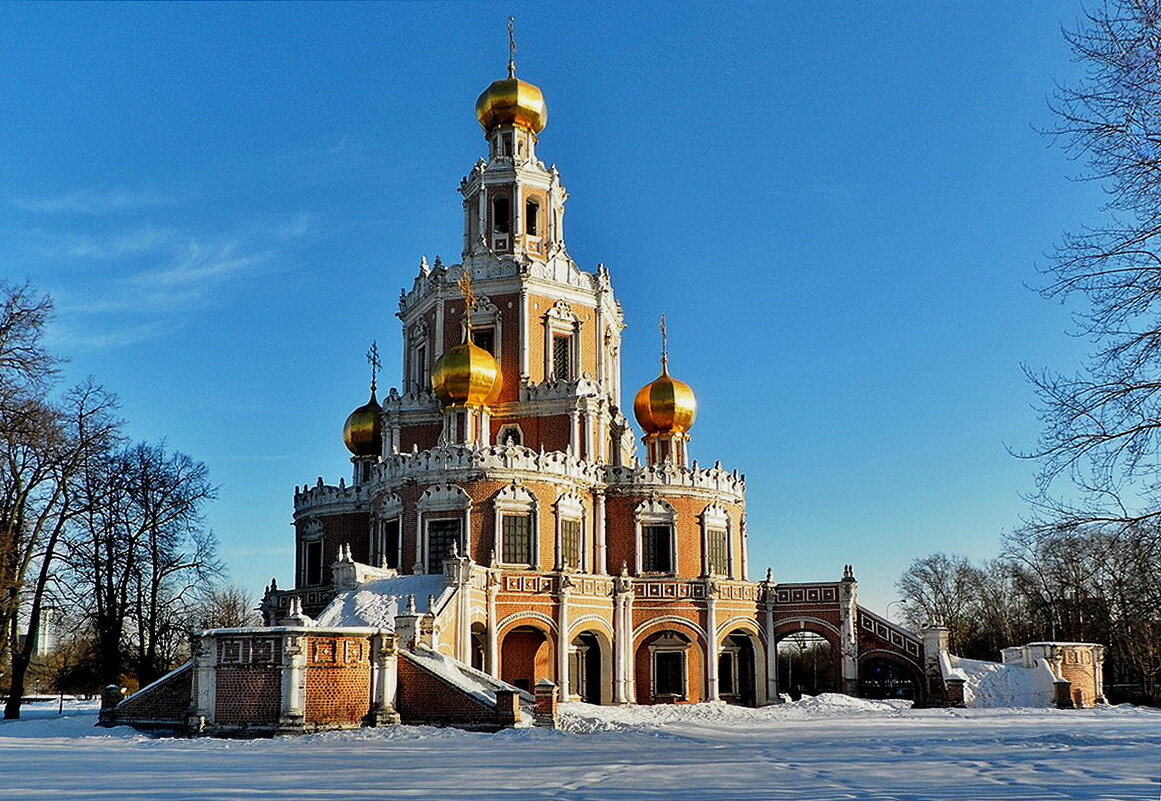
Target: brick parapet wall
x=338 y=681
x=426 y=698
x=166 y=701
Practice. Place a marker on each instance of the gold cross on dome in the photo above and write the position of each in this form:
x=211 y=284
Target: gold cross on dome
x=373 y=360
x=465 y=285
x=511 y=47
x=664 y=344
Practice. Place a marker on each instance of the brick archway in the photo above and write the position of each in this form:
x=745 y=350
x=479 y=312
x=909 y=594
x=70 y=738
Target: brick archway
x=885 y=674
x=809 y=656
x=527 y=654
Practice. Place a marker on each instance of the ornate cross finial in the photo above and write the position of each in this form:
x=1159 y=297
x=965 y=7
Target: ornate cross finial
x=465 y=285
x=373 y=360
x=511 y=47
x=664 y=345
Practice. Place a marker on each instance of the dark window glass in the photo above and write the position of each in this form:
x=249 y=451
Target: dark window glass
x=656 y=553
x=485 y=338
x=719 y=560
x=667 y=677
x=390 y=543
x=532 y=218
x=726 y=674
x=421 y=368
x=440 y=536
x=570 y=541
x=518 y=539
x=561 y=357
x=501 y=215
x=313 y=563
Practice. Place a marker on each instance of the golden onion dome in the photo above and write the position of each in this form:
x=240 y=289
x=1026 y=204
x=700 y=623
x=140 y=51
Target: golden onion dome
x=665 y=405
x=466 y=375
x=363 y=433
x=512 y=101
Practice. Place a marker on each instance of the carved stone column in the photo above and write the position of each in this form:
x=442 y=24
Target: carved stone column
x=384 y=681
x=293 y=706
x=711 y=648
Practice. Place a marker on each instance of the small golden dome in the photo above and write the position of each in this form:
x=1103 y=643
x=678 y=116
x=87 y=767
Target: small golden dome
x=512 y=102
x=363 y=433
x=466 y=375
x=665 y=405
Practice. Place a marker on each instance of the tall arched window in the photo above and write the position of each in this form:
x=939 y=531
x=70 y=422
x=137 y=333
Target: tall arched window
x=501 y=215
x=532 y=218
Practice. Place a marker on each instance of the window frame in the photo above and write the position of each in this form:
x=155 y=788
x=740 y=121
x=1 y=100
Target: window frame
x=516 y=500
x=656 y=512
x=436 y=566
x=669 y=644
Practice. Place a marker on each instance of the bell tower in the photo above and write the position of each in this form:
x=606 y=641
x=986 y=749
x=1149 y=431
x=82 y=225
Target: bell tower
x=513 y=204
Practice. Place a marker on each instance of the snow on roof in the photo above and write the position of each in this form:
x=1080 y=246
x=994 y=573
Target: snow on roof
x=471 y=681
x=375 y=603
x=1060 y=643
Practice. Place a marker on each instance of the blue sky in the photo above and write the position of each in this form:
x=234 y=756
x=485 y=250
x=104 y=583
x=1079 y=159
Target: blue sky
x=839 y=207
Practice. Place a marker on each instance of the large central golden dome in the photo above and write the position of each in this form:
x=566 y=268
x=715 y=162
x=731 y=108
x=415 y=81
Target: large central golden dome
x=466 y=375
x=665 y=405
x=512 y=101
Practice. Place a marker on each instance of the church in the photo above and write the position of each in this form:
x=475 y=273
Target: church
x=502 y=539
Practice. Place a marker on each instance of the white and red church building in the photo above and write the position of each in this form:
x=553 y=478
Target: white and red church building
x=501 y=530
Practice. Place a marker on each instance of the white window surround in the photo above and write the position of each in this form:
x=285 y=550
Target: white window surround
x=390 y=508
x=715 y=518
x=508 y=428
x=656 y=512
x=436 y=503
x=486 y=314
x=569 y=506
x=669 y=642
x=560 y=320
x=515 y=499
x=418 y=344
x=312 y=531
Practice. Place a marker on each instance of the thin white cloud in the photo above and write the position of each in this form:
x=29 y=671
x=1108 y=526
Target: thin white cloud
x=139 y=284
x=93 y=202
x=66 y=338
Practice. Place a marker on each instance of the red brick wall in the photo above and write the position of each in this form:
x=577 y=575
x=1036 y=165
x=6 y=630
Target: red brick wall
x=622 y=532
x=1076 y=665
x=526 y=657
x=247 y=695
x=426 y=698
x=338 y=680
x=249 y=680
x=695 y=667
x=167 y=700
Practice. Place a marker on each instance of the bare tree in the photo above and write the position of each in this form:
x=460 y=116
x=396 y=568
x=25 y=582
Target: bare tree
x=224 y=607
x=1101 y=425
x=141 y=554
x=940 y=589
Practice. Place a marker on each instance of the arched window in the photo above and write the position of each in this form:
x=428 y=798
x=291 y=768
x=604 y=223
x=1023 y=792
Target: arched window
x=501 y=215
x=532 y=218
x=656 y=542
x=516 y=526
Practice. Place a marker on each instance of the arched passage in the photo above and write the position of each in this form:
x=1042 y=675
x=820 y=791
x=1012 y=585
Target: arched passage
x=885 y=675
x=739 y=668
x=590 y=667
x=808 y=664
x=479 y=643
x=669 y=664
x=526 y=656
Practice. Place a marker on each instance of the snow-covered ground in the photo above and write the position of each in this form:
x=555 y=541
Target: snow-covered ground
x=830 y=747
